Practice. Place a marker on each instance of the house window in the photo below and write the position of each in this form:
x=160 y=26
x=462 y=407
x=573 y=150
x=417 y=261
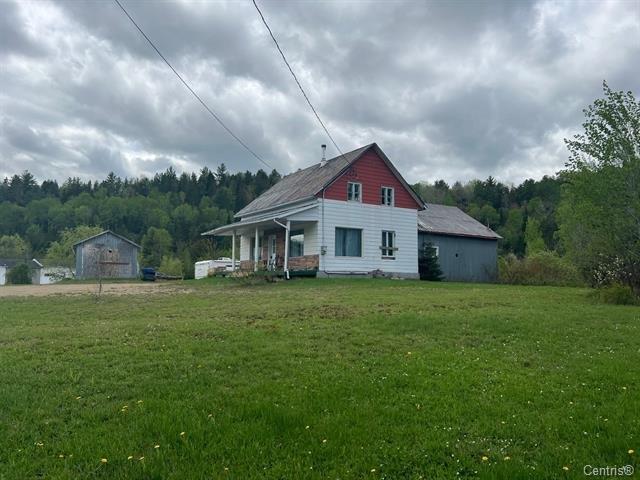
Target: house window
x=296 y=243
x=354 y=192
x=388 y=246
x=348 y=242
x=386 y=196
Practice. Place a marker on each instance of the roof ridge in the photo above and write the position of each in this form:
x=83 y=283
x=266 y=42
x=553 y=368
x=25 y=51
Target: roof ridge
x=298 y=185
x=337 y=157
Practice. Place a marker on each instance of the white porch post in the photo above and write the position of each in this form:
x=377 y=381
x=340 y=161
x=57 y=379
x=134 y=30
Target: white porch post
x=255 y=252
x=286 y=248
x=233 y=250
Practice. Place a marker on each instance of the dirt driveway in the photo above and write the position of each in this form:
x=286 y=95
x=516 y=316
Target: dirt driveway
x=84 y=288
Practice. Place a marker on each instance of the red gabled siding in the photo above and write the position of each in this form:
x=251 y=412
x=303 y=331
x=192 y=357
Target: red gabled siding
x=372 y=172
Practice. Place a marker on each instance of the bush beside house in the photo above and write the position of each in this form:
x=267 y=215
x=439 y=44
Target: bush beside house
x=19 y=275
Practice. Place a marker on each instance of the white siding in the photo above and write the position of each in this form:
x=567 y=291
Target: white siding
x=311 y=245
x=372 y=219
x=245 y=246
x=311 y=242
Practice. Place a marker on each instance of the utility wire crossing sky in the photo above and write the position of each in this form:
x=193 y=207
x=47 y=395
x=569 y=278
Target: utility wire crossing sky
x=449 y=90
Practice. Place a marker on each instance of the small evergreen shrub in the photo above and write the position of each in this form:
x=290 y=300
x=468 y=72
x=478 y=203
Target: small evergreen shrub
x=428 y=266
x=19 y=275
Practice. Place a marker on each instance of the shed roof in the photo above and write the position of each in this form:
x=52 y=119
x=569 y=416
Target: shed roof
x=12 y=262
x=306 y=183
x=446 y=220
x=104 y=233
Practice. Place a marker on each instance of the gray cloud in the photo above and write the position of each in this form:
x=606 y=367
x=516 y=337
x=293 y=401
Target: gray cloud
x=449 y=90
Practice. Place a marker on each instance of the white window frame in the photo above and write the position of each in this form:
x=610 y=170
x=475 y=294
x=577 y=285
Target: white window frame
x=360 y=230
x=383 y=196
x=297 y=232
x=353 y=194
x=388 y=246
x=437 y=249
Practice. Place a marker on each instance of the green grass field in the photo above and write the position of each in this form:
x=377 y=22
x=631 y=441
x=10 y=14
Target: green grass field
x=319 y=379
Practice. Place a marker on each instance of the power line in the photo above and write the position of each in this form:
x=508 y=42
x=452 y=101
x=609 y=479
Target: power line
x=213 y=114
x=296 y=78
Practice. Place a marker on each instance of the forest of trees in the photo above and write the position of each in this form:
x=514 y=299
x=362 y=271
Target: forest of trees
x=167 y=213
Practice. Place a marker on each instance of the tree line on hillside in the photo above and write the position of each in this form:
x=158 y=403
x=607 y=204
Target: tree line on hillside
x=585 y=221
x=165 y=214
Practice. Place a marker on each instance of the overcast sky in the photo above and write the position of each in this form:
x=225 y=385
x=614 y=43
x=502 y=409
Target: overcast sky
x=449 y=89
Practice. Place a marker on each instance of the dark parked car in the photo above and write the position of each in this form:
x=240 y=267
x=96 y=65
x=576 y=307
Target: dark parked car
x=149 y=274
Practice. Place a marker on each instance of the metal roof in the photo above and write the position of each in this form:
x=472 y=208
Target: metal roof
x=306 y=183
x=257 y=220
x=12 y=262
x=446 y=220
x=103 y=233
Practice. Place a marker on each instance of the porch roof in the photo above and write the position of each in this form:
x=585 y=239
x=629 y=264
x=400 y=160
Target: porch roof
x=227 y=230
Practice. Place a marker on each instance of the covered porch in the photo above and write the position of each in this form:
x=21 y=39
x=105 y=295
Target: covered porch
x=284 y=243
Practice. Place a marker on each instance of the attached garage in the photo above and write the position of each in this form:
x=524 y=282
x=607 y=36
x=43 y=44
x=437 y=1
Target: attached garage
x=467 y=250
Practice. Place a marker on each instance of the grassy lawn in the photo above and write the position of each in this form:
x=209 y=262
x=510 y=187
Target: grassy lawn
x=319 y=379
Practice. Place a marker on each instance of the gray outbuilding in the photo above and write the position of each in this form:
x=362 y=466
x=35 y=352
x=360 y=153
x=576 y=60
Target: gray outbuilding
x=6 y=264
x=106 y=255
x=467 y=250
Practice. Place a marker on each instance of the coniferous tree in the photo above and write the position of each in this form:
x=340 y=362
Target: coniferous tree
x=428 y=265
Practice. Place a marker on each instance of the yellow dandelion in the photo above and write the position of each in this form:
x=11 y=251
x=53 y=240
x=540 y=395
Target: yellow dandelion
x=631 y=452
x=139 y=401
x=565 y=468
x=507 y=458
x=373 y=470
x=157 y=446
x=324 y=441
x=226 y=469
x=103 y=460
x=408 y=353
x=182 y=434
x=61 y=456
x=484 y=459
x=130 y=457
x=78 y=397
x=307 y=427
x=141 y=458
x=39 y=444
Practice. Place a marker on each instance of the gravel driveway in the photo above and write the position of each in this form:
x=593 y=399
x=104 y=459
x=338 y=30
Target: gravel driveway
x=84 y=288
